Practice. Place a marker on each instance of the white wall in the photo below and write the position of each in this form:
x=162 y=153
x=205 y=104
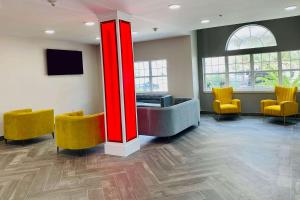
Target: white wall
x=181 y=66
x=25 y=84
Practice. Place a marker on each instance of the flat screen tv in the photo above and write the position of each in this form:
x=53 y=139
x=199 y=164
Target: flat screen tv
x=63 y=62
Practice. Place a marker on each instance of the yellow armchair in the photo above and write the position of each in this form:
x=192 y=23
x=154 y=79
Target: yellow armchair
x=285 y=104
x=223 y=103
x=27 y=124
x=75 y=131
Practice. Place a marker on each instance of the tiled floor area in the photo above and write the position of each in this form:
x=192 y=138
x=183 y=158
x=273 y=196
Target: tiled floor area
x=234 y=159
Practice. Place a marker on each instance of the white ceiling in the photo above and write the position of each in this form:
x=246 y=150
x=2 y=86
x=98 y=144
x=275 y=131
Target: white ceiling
x=29 y=18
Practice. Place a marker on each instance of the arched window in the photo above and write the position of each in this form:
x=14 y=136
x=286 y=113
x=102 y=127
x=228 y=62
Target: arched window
x=250 y=36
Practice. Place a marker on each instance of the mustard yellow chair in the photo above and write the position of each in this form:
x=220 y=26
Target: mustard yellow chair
x=224 y=103
x=27 y=124
x=74 y=131
x=285 y=104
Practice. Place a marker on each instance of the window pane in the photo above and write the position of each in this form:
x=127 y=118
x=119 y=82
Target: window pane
x=291 y=78
x=273 y=57
x=290 y=60
x=240 y=80
x=286 y=65
x=215 y=61
x=214 y=80
x=159 y=84
x=295 y=64
x=159 y=68
x=141 y=69
x=142 y=85
x=265 y=57
x=257 y=58
x=207 y=61
x=239 y=63
x=295 y=55
x=265 y=61
x=285 y=56
x=214 y=65
x=266 y=79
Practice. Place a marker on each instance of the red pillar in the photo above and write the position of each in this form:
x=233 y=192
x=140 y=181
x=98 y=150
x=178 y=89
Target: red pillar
x=119 y=86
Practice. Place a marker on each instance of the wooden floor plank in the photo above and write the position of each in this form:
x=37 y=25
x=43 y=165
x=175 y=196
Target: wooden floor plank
x=244 y=158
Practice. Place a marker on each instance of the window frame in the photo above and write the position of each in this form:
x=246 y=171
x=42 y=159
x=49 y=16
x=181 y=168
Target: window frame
x=233 y=34
x=215 y=73
x=241 y=72
x=142 y=77
x=152 y=76
x=290 y=61
x=266 y=71
x=253 y=89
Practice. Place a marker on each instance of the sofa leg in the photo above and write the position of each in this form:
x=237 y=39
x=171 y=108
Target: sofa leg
x=57 y=150
x=82 y=152
x=219 y=117
x=284 y=120
x=264 y=117
x=52 y=135
x=5 y=140
x=23 y=144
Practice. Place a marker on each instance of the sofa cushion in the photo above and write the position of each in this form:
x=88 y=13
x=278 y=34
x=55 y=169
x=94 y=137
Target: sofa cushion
x=273 y=110
x=229 y=108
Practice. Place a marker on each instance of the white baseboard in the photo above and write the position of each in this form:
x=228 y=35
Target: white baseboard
x=122 y=149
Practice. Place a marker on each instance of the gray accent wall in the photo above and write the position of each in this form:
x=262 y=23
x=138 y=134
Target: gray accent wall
x=211 y=43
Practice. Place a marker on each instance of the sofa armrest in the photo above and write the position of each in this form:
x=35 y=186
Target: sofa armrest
x=289 y=108
x=217 y=106
x=9 y=124
x=166 y=101
x=265 y=103
x=237 y=102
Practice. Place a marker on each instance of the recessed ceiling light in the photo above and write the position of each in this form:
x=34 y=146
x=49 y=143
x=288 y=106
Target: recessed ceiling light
x=49 y=32
x=291 y=8
x=89 y=23
x=97 y=38
x=205 y=21
x=174 y=6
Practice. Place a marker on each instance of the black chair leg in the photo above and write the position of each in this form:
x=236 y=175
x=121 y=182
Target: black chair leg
x=57 y=150
x=52 y=134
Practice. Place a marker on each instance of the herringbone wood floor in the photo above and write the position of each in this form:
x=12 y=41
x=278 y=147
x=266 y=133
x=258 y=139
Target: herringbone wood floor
x=241 y=159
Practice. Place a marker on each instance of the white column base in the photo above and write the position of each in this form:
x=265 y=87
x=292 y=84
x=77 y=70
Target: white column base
x=122 y=149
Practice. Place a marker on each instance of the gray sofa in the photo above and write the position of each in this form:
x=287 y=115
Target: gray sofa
x=168 y=121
